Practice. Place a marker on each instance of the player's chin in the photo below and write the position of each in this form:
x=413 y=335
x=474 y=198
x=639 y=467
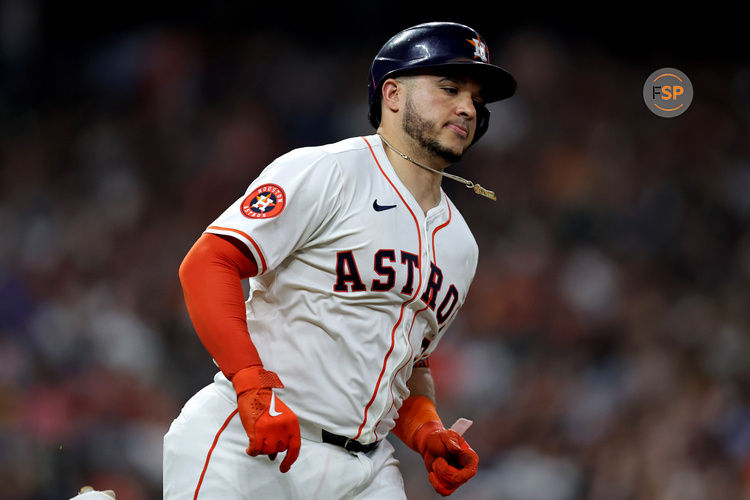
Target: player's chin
x=456 y=144
x=451 y=154
x=458 y=137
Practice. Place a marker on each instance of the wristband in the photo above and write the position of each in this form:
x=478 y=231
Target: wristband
x=255 y=377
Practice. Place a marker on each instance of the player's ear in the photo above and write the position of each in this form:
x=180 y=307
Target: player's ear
x=392 y=94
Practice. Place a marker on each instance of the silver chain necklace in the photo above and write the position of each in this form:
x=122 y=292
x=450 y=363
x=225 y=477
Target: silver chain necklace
x=476 y=187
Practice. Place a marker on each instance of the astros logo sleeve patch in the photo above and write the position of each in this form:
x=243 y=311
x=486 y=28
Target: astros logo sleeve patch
x=264 y=202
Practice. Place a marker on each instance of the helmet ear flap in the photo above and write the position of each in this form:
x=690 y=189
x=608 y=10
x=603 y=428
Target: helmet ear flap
x=483 y=121
x=374 y=113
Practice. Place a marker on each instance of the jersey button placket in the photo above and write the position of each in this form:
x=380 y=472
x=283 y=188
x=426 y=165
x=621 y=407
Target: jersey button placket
x=427 y=243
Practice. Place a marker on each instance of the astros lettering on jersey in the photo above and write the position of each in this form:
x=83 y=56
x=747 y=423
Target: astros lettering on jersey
x=355 y=285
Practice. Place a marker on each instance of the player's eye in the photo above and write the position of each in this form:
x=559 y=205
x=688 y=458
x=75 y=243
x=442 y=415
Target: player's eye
x=451 y=90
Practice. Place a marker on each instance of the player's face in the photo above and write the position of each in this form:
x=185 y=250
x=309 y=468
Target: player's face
x=440 y=114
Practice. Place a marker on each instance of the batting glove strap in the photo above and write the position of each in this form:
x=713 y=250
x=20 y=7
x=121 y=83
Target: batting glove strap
x=255 y=377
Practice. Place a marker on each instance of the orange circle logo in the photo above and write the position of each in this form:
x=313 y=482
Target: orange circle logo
x=264 y=202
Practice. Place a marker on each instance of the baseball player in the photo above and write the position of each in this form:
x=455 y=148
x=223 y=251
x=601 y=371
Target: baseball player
x=357 y=264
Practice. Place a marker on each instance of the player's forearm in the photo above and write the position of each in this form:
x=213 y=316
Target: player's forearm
x=211 y=276
x=418 y=411
x=421 y=383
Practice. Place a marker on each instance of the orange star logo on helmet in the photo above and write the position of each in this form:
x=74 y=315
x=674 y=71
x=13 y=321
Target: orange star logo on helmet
x=480 y=49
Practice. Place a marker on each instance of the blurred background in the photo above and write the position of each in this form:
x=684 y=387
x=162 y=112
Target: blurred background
x=603 y=352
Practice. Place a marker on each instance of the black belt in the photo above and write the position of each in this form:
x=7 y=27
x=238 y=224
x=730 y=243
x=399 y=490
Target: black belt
x=347 y=443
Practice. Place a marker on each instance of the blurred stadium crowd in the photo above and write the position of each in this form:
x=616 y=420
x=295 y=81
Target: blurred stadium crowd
x=603 y=353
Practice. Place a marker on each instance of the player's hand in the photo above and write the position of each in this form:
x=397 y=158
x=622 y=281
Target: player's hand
x=449 y=459
x=271 y=426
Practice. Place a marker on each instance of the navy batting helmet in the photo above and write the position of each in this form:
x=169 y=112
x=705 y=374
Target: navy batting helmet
x=440 y=46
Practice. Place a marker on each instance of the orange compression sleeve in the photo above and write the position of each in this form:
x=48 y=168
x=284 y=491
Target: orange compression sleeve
x=418 y=413
x=211 y=275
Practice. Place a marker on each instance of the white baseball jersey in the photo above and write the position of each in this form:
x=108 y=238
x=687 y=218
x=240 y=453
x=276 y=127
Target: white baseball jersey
x=355 y=282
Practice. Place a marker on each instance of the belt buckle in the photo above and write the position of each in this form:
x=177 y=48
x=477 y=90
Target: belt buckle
x=348 y=445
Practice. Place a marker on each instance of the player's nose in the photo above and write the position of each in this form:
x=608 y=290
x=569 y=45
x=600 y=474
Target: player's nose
x=466 y=107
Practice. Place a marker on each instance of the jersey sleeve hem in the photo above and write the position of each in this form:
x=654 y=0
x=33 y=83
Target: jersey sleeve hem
x=247 y=240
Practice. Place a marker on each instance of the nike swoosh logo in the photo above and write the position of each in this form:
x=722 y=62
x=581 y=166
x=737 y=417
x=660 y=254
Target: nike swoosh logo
x=380 y=208
x=272 y=408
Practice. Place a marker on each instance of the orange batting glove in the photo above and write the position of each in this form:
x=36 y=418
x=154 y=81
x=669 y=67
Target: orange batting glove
x=270 y=425
x=449 y=460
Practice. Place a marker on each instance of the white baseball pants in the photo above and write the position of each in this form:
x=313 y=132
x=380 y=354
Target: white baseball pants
x=204 y=458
